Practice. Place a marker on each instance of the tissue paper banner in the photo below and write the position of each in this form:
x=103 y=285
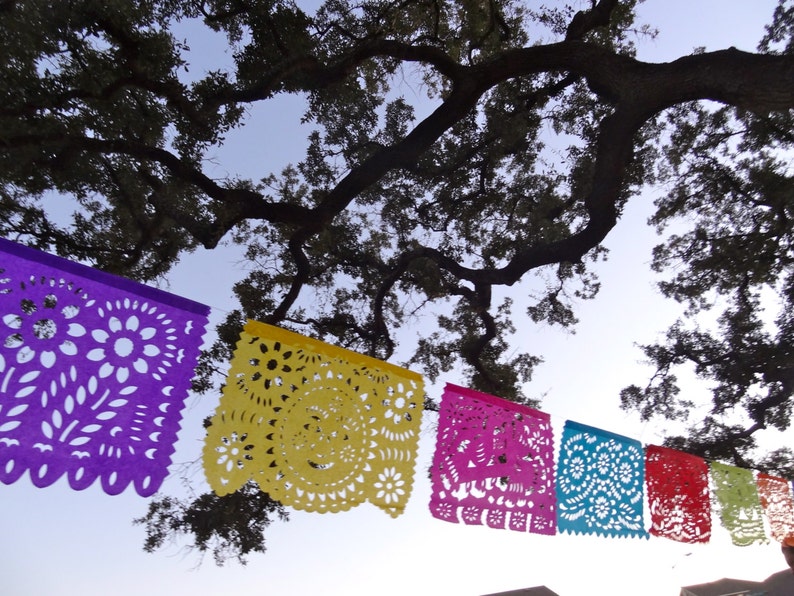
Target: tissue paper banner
x=94 y=371
x=740 y=508
x=776 y=501
x=678 y=495
x=599 y=483
x=318 y=427
x=493 y=464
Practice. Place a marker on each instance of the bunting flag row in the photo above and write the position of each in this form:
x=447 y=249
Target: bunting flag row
x=94 y=372
x=95 y=369
x=493 y=464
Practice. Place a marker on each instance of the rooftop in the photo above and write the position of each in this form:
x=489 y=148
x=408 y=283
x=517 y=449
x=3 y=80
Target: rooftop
x=777 y=584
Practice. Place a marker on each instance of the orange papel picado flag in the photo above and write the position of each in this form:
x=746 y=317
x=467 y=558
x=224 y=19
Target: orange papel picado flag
x=778 y=504
x=318 y=427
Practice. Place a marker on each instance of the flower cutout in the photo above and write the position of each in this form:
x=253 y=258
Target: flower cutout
x=271 y=365
x=572 y=479
x=234 y=451
x=601 y=507
x=398 y=410
x=471 y=515
x=577 y=467
x=125 y=343
x=603 y=462
x=45 y=325
x=443 y=510
x=496 y=518
x=390 y=486
x=626 y=472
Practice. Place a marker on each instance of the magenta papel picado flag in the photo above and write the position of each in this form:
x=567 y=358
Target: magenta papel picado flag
x=493 y=464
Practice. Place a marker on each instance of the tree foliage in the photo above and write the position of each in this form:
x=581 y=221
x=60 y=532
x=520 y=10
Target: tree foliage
x=231 y=526
x=536 y=127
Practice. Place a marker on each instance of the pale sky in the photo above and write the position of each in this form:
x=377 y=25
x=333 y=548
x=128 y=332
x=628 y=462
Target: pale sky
x=60 y=542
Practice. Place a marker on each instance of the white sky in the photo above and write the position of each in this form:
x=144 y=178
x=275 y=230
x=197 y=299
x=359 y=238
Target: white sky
x=59 y=542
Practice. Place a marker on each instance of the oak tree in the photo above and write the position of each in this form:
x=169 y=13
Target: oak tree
x=535 y=126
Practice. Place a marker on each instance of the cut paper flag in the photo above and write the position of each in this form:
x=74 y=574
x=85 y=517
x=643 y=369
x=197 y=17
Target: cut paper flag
x=776 y=501
x=94 y=372
x=678 y=495
x=740 y=508
x=599 y=483
x=317 y=427
x=493 y=463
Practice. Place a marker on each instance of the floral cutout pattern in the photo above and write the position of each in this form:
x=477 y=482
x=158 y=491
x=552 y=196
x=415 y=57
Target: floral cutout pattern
x=740 y=508
x=776 y=500
x=493 y=464
x=94 y=371
x=600 y=478
x=318 y=427
x=678 y=495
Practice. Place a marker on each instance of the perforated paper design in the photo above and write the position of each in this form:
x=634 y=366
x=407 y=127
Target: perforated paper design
x=776 y=500
x=319 y=428
x=740 y=508
x=94 y=371
x=599 y=483
x=493 y=464
x=678 y=495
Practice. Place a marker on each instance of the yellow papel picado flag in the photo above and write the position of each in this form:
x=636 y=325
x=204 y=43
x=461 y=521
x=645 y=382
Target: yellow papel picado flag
x=318 y=427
